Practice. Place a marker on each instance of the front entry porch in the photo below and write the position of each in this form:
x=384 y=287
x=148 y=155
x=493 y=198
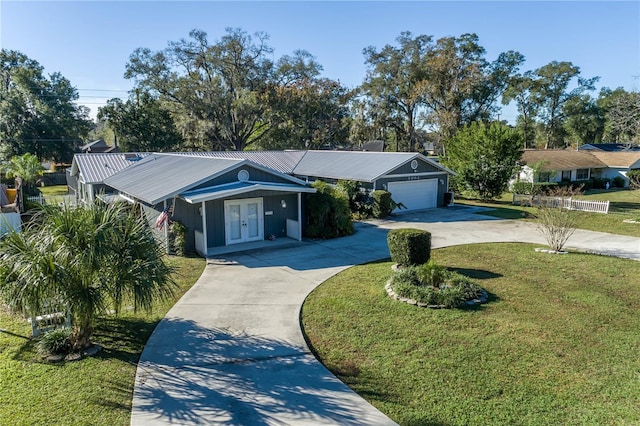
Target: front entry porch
x=253 y=245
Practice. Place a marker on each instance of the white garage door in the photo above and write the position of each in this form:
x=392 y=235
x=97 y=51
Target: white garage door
x=415 y=194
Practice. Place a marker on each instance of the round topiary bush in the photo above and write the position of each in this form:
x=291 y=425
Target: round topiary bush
x=409 y=246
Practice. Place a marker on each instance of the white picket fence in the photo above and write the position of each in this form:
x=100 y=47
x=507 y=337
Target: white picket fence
x=56 y=199
x=567 y=203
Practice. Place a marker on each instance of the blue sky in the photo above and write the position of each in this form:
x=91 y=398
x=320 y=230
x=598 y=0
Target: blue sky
x=89 y=42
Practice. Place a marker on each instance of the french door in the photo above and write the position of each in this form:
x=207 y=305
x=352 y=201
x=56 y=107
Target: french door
x=243 y=220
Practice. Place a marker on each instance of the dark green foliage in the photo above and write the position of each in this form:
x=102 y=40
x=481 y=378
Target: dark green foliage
x=434 y=285
x=618 y=182
x=179 y=232
x=56 y=341
x=526 y=188
x=409 y=246
x=38 y=110
x=328 y=214
x=485 y=157
x=360 y=203
x=634 y=178
x=382 y=204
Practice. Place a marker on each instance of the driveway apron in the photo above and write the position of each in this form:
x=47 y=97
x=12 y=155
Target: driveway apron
x=231 y=351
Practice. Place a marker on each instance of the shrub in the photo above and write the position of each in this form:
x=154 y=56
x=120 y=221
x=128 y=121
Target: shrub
x=618 y=182
x=432 y=274
x=409 y=246
x=555 y=222
x=528 y=188
x=382 y=204
x=179 y=232
x=56 y=341
x=328 y=214
x=360 y=204
x=634 y=178
x=453 y=290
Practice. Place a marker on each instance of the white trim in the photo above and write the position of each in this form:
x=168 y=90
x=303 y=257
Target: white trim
x=225 y=193
x=403 y=175
x=166 y=228
x=204 y=228
x=242 y=203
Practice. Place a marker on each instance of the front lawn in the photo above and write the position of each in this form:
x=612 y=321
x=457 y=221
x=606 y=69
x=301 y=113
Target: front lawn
x=625 y=204
x=95 y=390
x=557 y=343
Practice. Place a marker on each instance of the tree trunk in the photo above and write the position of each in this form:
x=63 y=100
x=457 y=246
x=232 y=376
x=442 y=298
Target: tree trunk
x=82 y=337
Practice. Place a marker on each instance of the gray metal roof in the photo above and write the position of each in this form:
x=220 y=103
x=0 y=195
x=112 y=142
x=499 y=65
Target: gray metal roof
x=162 y=176
x=356 y=165
x=95 y=168
x=282 y=161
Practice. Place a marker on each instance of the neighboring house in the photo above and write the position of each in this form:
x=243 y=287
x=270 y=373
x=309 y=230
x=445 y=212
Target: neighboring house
x=239 y=196
x=569 y=165
x=99 y=146
x=618 y=163
x=608 y=147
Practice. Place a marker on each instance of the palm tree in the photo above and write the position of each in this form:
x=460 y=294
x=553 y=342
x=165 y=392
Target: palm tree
x=89 y=259
x=25 y=166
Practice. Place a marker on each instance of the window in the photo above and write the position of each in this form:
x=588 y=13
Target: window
x=566 y=175
x=582 y=174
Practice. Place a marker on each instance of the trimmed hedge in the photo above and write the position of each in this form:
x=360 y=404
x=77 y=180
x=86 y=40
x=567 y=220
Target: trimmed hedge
x=382 y=204
x=409 y=246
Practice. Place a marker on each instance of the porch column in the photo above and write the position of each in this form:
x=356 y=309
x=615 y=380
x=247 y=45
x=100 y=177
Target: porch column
x=166 y=228
x=204 y=229
x=299 y=216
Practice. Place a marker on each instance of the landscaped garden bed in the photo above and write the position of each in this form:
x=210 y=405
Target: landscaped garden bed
x=557 y=342
x=95 y=390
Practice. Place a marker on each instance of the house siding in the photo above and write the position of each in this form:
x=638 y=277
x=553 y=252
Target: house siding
x=232 y=176
x=189 y=216
x=275 y=223
x=423 y=167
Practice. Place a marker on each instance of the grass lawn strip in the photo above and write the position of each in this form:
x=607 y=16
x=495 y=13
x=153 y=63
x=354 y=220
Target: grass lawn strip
x=625 y=204
x=96 y=390
x=556 y=344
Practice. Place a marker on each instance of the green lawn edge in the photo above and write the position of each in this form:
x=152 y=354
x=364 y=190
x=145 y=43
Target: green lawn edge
x=556 y=344
x=624 y=205
x=96 y=390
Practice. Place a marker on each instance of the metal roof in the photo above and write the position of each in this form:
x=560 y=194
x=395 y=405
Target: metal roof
x=281 y=161
x=360 y=166
x=162 y=176
x=562 y=159
x=236 y=188
x=95 y=168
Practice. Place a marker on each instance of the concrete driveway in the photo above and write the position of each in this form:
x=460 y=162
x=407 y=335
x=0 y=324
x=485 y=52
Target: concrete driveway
x=231 y=351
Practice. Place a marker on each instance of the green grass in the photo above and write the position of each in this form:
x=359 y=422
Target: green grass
x=625 y=204
x=557 y=344
x=92 y=391
x=55 y=190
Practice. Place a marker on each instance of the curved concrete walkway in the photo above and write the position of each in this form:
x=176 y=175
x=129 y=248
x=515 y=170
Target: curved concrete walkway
x=231 y=351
